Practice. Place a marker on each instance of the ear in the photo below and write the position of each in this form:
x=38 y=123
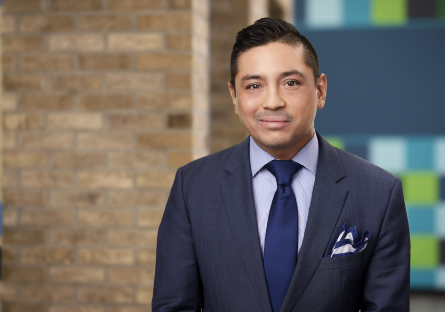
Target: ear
x=233 y=95
x=322 y=86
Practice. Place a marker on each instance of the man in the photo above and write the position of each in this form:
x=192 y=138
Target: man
x=254 y=227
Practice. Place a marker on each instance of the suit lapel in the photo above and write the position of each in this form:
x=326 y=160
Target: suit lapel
x=326 y=205
x=238 y=200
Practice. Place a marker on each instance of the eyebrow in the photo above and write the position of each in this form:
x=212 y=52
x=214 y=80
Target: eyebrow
x=283 y=74
x=249 y=77
x=293 y=72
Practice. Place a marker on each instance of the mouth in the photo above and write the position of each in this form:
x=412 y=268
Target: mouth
x=273 y=123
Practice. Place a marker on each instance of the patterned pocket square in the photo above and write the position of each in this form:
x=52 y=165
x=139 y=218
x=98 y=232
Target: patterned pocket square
x=348 y=242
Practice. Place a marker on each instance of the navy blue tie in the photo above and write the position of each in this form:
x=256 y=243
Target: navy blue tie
x=281 y=244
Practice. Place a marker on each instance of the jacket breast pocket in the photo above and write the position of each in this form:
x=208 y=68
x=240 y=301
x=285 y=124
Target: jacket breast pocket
x=341 y=262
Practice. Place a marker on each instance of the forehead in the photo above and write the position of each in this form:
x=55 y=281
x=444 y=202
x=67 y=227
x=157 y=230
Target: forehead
x=272 y=58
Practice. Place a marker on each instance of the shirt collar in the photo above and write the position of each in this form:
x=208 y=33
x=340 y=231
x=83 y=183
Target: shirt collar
x=307 y=156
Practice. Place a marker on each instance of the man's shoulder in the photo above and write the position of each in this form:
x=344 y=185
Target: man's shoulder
x=210 y=164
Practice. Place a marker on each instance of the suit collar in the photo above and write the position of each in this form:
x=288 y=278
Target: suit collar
x=307 y=156
x=238 y=156
x=329 y=161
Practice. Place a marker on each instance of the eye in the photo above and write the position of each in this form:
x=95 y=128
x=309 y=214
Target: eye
x=292 y=83
x=253 y=86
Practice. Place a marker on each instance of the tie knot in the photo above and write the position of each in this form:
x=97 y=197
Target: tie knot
x=283 y=170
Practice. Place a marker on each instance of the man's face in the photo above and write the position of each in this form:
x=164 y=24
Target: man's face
x=276 y=97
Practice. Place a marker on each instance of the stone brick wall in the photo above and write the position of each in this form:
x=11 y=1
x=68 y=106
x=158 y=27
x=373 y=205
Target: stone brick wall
x=227 y=18
x=103 y=101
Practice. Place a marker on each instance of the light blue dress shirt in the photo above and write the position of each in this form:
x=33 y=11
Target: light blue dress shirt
x=264 y=185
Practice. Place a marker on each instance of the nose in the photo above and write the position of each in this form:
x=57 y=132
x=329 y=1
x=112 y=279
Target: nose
x=273 y=99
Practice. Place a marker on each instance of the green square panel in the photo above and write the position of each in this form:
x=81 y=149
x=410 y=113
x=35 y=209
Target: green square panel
x=337 y=142
x=389 y=11
x=440 y=8
x=424 y=251
x=420 y=187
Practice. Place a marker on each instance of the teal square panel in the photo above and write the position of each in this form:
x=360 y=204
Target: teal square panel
x=439 y=153
x=420 y=153
x=421 y=220
x=423 y=279
x=440 y=278
x=357 y=12
x=388 y=153
x=439 y=219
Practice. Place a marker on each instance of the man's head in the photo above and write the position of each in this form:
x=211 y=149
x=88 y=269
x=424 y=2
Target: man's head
x=272 y=86
x=268 y=30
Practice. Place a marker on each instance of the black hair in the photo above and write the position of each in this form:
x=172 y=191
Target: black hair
x=267 y=30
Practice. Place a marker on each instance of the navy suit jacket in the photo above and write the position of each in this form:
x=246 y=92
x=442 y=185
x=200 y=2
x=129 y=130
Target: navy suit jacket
x=209 y=255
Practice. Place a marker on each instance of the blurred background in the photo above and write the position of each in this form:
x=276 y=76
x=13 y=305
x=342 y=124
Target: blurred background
x=103 y=100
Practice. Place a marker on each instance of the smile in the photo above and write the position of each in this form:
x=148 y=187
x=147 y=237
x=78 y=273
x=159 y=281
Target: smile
x=273 y=123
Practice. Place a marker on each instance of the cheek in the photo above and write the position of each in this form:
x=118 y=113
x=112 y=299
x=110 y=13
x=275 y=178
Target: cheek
x=247 y=106
x=303 y=108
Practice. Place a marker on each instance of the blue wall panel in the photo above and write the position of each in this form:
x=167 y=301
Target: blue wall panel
x=381 y=80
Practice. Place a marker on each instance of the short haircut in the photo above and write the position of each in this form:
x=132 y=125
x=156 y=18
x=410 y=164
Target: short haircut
x=267 y=30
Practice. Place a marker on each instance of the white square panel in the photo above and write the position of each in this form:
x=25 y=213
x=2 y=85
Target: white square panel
x=388 y=153
x=440 y=220
x=439 y=155
x=322 y=13
x=440 y=278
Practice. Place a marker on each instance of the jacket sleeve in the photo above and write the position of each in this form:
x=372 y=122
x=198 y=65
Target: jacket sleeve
x=387 y=278
x=177 y=285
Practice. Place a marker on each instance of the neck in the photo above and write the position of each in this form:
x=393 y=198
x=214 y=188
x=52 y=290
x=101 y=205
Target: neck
x=288 y=152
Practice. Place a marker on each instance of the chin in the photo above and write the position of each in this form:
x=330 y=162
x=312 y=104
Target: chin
x=275 y=141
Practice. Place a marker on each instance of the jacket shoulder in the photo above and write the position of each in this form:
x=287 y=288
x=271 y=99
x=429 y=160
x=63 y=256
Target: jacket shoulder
x=213 y=162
